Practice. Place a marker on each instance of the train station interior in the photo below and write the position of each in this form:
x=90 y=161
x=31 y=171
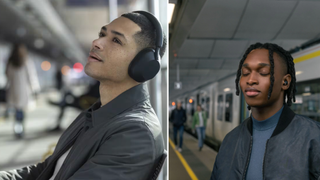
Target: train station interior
x=207 y=41
x=58 y=36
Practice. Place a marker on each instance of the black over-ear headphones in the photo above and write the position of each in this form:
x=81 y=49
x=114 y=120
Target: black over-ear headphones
x=146 y=64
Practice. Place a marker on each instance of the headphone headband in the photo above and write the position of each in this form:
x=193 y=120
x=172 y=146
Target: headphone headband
x=157 y=26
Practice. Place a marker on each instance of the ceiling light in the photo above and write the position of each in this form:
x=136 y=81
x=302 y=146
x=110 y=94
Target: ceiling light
x=45 y=65
x=306 y=94
x=299 y=72
x=226 y=89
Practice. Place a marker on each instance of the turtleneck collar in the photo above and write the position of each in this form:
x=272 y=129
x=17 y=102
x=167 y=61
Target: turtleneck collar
x=267 y=123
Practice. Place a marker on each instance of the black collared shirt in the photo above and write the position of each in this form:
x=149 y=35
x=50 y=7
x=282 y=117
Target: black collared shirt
x=120 y=140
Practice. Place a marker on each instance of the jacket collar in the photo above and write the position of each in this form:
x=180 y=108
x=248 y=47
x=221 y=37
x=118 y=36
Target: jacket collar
x=124 y=101
x=285 y=118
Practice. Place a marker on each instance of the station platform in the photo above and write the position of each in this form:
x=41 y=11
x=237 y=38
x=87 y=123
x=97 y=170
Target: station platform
x=190 y=163
x=39 y=118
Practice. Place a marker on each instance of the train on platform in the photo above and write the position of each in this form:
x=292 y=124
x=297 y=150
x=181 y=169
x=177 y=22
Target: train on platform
x=225 y=110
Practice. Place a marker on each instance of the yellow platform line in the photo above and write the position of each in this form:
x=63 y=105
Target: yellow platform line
x=306 y=57
x=184 y=162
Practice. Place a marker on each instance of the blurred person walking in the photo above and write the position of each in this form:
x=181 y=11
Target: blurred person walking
x=81 y=102
x=199 y=122
x=178 y=118
x=19 y=86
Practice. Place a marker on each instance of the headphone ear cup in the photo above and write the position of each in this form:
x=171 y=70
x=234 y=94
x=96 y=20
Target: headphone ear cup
x=144 y=66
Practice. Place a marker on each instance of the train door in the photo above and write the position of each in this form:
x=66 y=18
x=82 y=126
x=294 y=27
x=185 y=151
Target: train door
x=190 y=109
x=205 y=104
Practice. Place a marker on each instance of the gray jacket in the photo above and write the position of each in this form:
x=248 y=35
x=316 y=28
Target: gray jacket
x=121 y=140
x=292 y=152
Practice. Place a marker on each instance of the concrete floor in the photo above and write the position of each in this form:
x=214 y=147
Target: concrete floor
x=40 y=116
x=200 y=162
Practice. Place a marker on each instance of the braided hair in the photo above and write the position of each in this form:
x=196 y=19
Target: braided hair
x=287 y=58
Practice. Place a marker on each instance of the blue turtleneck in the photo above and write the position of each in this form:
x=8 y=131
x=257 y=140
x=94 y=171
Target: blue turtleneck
x=261 y=131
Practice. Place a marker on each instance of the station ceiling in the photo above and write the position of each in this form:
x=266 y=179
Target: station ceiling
x=209 y=37
x=60 y=29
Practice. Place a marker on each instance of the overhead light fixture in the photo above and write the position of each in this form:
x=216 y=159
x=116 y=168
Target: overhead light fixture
x=65 y=70
x=299 y=72
x=226 y=89
x=78 y=67
x=306 y=94
x=46 y=65
x=170 y=11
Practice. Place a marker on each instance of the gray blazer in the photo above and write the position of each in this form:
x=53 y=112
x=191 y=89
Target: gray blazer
x=121 y=140
x=292 y=152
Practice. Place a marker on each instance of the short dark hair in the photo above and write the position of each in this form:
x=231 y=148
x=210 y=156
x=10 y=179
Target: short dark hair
x=146 y=38
x=286 y=58
x=18 y=55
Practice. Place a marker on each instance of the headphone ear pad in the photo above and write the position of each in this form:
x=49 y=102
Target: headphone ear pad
x=144 y=66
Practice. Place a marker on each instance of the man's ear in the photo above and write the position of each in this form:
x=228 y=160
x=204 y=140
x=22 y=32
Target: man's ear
x=286 y=81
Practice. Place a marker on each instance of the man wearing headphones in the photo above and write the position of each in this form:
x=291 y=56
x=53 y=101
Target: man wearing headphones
x=119 y=137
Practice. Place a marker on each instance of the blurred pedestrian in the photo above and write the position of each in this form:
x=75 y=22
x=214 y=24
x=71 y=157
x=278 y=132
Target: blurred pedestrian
x=81 y=102
x=178 y=118
x=59 y=80
x=199 y=122
x=19 y=86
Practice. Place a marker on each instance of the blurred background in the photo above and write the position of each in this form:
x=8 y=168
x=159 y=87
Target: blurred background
x=207 y=40
x=51 y=40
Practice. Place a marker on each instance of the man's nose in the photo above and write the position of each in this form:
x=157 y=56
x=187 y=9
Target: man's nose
x=252 y=79
x=96 y=44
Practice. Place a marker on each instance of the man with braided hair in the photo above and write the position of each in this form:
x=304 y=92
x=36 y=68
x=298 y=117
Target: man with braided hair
x=274 y=142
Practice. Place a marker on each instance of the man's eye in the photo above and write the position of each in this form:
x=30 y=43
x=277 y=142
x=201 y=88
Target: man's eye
x=116 y=40
x=101 y=34
x=245 y=72
x=264 y=74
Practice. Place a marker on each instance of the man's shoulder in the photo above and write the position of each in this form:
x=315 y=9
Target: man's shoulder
x=141 y=127
x=303 y=122
x=142 y=117
x=306 y=120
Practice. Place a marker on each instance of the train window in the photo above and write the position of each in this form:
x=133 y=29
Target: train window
x=228 y=106
x=220 y=107
x=185 y=102
x=308 y=99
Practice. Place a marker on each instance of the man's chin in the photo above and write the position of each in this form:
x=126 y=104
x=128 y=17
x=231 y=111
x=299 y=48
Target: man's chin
x=258 y=105
x=90 y=72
